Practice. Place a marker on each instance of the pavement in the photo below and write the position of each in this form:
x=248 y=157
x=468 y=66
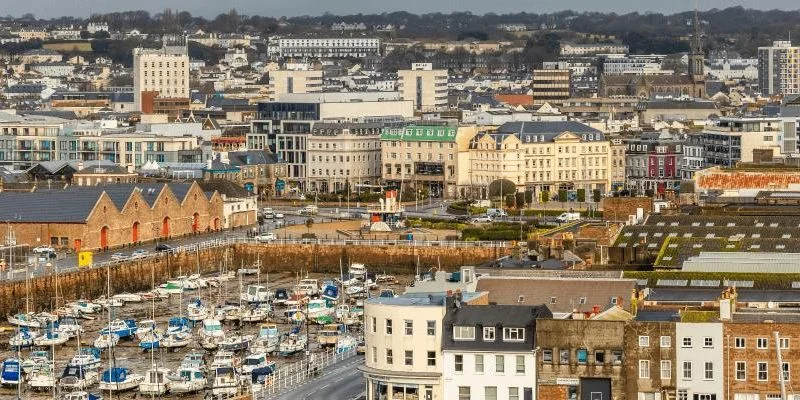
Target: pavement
x=340 y=381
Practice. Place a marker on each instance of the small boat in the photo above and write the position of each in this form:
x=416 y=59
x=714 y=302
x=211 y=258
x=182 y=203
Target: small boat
x=194 y=359
x=257 y=294
x=122 y=328
x=268 y=338
x=155 y=382
x=36 y=361
x=228 y=312
x=106 y=340
x=355 y=290
x=236 y=342
x=151 y=340
x=329 y=334
x=51 y=338
x=172 y=287
x=192 y=282
x=109 y=303
x=297 y=299
x=176 y=340
x=23 y=338
x=187 y=380
x=256 y=314
x=42 y=379
x=357 y=269
x=281 y=297
x=294 y=343
x=247 y=271
x=128 y=297
x=11 y=372
x=330 y=292
x=259 y=377
x=78 y=377
x=224 y=358
x=81 y=395
x=69 y=325
x=28 y=320
x=308 y=287
x=85 y=307
x=226 y=382
x=351 y=282
x=345 y=343
x=212 y=328
x=196 y=311
x=318 y=307
x=387 y=293
x=87 y=357
x=119 y=379
x=384 y=278
x=178 y=325
x=254 y=361
x=144 y=326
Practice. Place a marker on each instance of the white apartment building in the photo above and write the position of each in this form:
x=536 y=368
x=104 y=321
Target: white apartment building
x=425 y=86
x=488 y=351
x=585 y=49
x=328 y=47
x=164 y=70
x=698 y=359
x=282 y=82
x=779 y=68
x=341 y=155
x=403 y=339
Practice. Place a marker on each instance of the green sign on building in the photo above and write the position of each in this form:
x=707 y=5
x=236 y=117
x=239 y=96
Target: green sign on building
x=420 y=133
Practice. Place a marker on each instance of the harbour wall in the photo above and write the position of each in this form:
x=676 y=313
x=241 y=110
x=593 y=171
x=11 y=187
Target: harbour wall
x=43 y=292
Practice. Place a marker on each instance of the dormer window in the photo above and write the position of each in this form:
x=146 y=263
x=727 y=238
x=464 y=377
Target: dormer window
x=488 y=333
x=463 y=333
x=513 y=334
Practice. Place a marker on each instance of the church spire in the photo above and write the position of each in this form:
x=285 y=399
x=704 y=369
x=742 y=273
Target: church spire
x=696 y=54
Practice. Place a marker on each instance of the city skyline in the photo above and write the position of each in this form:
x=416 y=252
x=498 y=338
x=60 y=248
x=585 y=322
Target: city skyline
x=48 y=9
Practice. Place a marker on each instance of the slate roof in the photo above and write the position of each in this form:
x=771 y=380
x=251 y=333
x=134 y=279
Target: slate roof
x=567 y=292
x=252 y=157
x=546 y=131
x=681 y=295
x=499 y=316
x=224 y=187
x=74 y=204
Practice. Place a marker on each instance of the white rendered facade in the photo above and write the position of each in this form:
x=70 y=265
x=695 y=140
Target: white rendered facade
x=698 y=360
x=164 y=70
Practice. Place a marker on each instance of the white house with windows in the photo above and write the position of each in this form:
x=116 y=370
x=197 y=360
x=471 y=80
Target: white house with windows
x=488 y=351
x=698 y=358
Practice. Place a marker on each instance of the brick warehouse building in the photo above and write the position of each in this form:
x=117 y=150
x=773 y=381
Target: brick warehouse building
x=101 y=217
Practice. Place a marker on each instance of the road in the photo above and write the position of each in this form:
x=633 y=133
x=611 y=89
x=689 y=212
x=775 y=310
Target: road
x=341 y=381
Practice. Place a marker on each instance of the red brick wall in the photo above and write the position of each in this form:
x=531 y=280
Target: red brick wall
x=618 y=208
x=751 y=355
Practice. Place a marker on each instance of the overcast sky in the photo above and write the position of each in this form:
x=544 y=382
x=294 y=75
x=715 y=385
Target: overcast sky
x=82 y=8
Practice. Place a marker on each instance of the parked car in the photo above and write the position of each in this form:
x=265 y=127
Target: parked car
x=496 y=213
x=268 y=213
x=265 y=237
x=163 y=247
x=462 y=218
x=482 y=218
x=139 y=253
x=568 y=217
x=278 y=215
x=43 y=250
x=308 y=210
x=361 y=348
x=118 y=256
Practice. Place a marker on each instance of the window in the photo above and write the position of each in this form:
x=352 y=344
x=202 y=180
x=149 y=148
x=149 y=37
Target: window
x=409 y=325
x=374 y=325
x=762 y=371
x=708 y=342
x=739 y=342
x=708 y=371
x=409 y=357
x=563 y=356
x=388 y=327
x=599 y=357
x=513 y=334
x=666 y=341
x=459 y=362
x=666 y=369
x=552 y=300
x=374 y=355
x=683 y=394
x=616 y=357
x=741 y=371
x=479 y=363
x=783 y=343
x=582 y=355
x=499 y=364
x=761 y=343
x=547 y=356
x=644 y=341
x=687 y=370
x=431 y=358
x=490 y=392
x=785 y=370
x=463 y=333
x=463 y=393
x=644 y=369
x=389 y=357
x=431 y=328
x=513 y=393
x=686 y=342
x=488 y=333
x=520 y=364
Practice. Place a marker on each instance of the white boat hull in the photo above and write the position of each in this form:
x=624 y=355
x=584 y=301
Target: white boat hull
x=153 y=388
x=128 y=384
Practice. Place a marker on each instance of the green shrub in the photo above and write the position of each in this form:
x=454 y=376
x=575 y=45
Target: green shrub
x=581 y=195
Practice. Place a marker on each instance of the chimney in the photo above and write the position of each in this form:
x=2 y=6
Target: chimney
x=596 y=309
x=80 y=165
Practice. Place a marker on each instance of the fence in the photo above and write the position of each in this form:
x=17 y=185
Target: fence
x=297 y=373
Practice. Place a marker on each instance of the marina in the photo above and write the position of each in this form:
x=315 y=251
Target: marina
x=193 y=336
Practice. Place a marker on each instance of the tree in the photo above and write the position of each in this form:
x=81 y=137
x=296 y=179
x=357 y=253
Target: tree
x=544 y=196
x=309 y=224
x=596 y=197
x=562 y=195
x=500 y=187
x=581 y=195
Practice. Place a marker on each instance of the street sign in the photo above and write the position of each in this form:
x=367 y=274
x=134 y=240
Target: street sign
x=85 y=259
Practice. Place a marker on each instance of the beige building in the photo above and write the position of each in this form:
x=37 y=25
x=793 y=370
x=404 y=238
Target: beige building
x=403 y=338
x=425 y=86
x=550 y=86
x=538 y=156
x=165 y=71
x=342 y=155
x=282 y=82
x=424 y=157
x=617 y=167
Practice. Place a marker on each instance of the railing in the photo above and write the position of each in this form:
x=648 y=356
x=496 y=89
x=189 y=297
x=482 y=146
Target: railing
x=297 y=373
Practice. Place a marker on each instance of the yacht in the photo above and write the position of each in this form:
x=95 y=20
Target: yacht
x=155 y=382
x=256 y=294
x=255 y=360
x=78 y=377
x=187 y=379
x=11 y=372
x=226 y=382
x=119 y=379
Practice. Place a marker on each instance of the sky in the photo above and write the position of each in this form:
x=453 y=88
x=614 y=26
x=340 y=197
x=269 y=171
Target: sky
x=209 y=8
